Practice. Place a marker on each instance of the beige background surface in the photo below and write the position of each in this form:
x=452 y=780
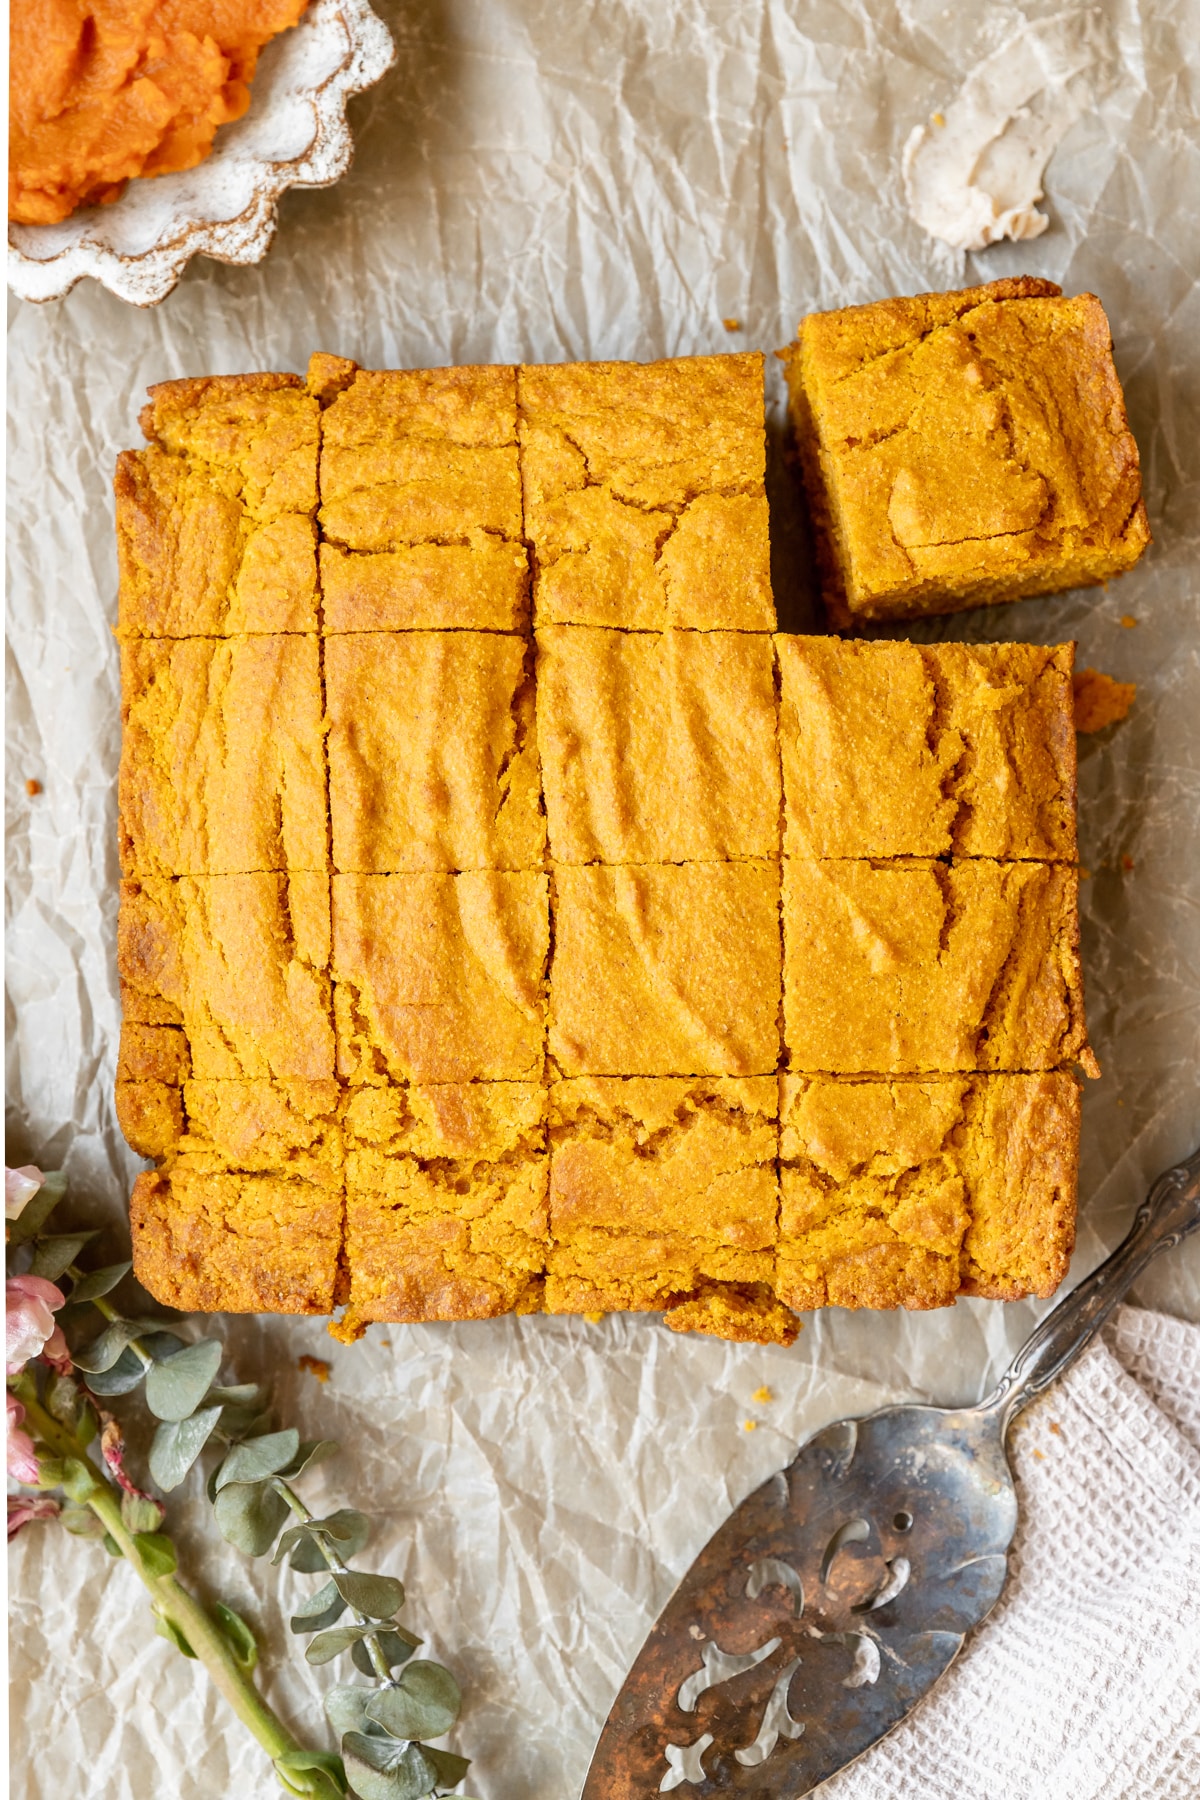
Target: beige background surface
x=544 y=182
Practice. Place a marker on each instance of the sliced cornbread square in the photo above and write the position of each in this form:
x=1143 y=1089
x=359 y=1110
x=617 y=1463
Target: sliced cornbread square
x=482 y=586
x=666 y=970
x=657 y=747
x=208 y=1241
x=421 y=456
x=894 y=749
x=440 y=978
x=904 y=1193
x=215 y=533
x=280 y=1127
x=242 y=961
x=658 y=1188
x=643 y=493
x=903 y=968
x=445 y=1201
x=433 y=758
x=965 y=448
x=222 y=760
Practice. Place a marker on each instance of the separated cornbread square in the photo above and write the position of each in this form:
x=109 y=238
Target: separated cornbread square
x=445 y=1201
x=657 y=746
x=908 y=1192
x=222 y=764
x=663 y=1192
x=666 y=970
x=420 y=514
x=432 y=752
x=907 y=967
x=895 y=749
x=644 y=502
x=241 y=963
x=965 y=448
x=215 y=531
x=439 y=977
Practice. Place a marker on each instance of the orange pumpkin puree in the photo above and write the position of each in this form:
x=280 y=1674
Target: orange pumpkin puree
x=100 y=90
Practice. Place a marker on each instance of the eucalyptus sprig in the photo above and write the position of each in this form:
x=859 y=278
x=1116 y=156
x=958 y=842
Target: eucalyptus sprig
x=383 y=1726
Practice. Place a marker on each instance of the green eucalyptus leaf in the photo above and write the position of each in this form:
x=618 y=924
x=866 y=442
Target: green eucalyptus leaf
x=53 y=1256
x=259 y=1459
x=156 y=1553
x=329 y=1644
x=320 y=1610
x=78 y=1479
x=346 y=1707
x=424 y=1705
x=33 y=1215
x=140 y=1513
x=103 y=1352
x=450 y=1768
x=100 y=1282
x=242 y=1640
x=129 y=1368
x=396 y=1644
x=167 y=1628
x=81 y=1521
x=346 y=1530
x=176 y=1386
x=243 y=1393
x=317 y=1450
x=380 y=1769
x=250 y=1516
x=295 y=1534
x=111 y=1545
x=379 y=1596
x=178 y=1443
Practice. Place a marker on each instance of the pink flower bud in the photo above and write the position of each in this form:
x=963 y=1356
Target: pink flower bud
x=30 y=1303
x=24 y=1507
x=22 y=1459
x=20 y=1185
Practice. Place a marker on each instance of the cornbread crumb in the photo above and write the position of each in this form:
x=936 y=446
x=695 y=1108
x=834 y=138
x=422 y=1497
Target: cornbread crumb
x=1128 y=621
x=762 y=1396
x=732 y=324
x=33 y=787
x=1100 y=701
x=315 y=1365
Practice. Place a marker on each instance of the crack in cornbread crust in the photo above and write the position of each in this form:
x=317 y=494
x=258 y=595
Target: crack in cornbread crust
x=657 y=747
x=1003 y=467
x=893 y=749
x=908 y=1192
x=644 y=503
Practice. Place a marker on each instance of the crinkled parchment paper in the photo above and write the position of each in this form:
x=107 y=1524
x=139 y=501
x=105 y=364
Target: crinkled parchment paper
x=543 y=181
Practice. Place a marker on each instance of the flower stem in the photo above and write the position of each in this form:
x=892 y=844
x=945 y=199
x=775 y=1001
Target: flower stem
x=171 y=1601
x=374 y=1648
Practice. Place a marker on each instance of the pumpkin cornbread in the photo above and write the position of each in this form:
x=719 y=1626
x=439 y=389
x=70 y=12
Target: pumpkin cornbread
x=448 y=779
x=222 y=770
x=961 y=449
x=445 y=1201
x=666 y=970
x=215 y=532
x=643 y=493
x=661 y=963
x=439 y=978
x=657 y=746
x=906 y=1192
x=902 y=967
x=927 y=749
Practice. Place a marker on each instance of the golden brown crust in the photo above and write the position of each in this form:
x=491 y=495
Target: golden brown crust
x=962 y=449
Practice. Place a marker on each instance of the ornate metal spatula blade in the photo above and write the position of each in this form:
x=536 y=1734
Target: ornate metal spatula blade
x=835 y=1596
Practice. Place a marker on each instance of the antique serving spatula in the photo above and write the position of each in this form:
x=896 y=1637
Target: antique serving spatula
x=835 y=1596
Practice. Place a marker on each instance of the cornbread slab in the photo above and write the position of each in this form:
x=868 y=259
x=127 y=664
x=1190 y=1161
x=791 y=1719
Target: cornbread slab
x=512 y=921
x=962 y=449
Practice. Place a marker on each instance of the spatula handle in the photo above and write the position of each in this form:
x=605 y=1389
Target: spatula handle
x=1168 y=1213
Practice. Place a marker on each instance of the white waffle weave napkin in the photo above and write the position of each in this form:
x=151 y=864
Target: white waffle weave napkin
x=1085 y=1682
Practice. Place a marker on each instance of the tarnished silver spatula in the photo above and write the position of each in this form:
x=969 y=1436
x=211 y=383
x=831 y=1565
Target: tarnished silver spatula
x=834 y=1597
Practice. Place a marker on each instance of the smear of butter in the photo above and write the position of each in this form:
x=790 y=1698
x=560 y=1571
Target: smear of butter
x=974 y=173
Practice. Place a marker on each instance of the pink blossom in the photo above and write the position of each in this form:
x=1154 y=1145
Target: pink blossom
x=22 y=1460
x=30 y=1303
x=20 y=1185
x=24 y=1507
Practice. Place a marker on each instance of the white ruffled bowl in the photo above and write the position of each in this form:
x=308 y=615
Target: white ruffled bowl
x=294 y=135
